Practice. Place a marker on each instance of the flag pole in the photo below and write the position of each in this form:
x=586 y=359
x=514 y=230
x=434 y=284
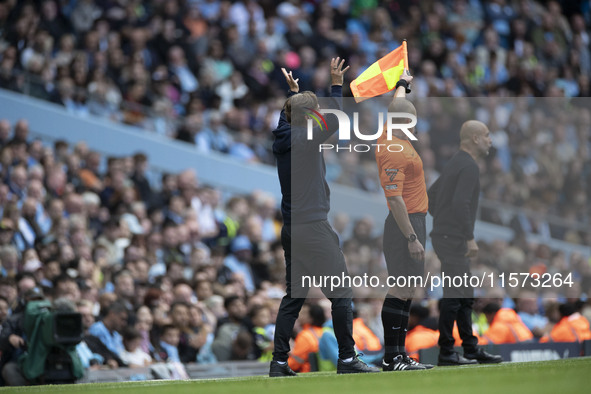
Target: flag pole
x=405 y=52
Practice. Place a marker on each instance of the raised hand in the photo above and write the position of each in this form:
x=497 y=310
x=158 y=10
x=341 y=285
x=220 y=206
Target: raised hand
x=406 y=76
x=293 y=83
x=337 y=71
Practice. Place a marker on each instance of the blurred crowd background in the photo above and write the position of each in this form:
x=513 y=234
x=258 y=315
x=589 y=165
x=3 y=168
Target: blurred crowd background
x=195 y=268
x=208 y=73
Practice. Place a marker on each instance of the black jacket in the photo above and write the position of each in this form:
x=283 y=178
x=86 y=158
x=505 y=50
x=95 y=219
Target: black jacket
x=301 y=168
x=12 y=325
x=453 y=198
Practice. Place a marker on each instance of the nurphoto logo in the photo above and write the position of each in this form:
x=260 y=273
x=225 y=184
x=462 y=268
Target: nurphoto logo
x=394 y=121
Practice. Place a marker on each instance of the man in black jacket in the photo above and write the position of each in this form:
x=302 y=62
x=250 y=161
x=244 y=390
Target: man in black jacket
x=453 y=202
x=306 y=231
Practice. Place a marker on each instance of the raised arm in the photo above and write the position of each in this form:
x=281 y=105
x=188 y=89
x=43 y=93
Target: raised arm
x=337 y=71
x=403 y=84
x=294 y=88
x=334 y=101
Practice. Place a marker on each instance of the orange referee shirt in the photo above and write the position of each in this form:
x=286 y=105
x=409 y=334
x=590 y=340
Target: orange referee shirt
x=401 y=173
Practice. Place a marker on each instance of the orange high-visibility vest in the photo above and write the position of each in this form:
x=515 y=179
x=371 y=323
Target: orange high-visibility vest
x=365 y=340
x=305 y=343
x=420 y=337
x=507 y=327
x=456 y=335
x=573 y=328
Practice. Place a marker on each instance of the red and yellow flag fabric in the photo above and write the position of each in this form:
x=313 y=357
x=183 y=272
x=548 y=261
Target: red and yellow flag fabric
x=381 y=77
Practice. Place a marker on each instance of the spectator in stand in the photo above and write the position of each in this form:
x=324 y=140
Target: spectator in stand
x=229 y=328
x=109 y=329
x=188 y=345
x=311 y=319
x=527 y=305
x=239 y=261
x=505 y=326
x=418 y=336
x=572 y=327
x=168 y=345
x=260 y=317
x=133 y=355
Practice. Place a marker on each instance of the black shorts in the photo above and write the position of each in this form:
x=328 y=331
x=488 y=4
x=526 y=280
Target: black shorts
x=396 y=252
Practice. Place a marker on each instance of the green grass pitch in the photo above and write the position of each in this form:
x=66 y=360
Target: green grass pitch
x=558 y=377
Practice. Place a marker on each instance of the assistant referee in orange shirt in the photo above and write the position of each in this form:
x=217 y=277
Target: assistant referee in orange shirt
x=403 y=181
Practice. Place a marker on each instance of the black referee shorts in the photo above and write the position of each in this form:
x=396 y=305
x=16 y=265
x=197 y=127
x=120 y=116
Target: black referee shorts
x=396 y=252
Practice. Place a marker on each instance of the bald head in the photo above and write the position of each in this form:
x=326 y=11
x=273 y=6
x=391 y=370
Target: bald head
x=470 y=129
x=401 y=104
x=475 y=138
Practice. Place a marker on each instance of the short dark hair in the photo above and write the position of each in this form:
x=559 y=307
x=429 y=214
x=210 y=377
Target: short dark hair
x=256 y=310
x=140 y=157
x=7 y=282
x=116 y=308
x=178 y=303
x=228 y=301
x=566 y=309
x=62 y=278
x=130 y=333
x=491 y=308
x=419 y=311
x=59 y=144
x=317 y=315
x=168 y=327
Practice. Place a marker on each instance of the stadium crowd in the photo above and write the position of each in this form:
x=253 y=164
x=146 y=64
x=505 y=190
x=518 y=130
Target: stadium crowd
x=163 y=268
x=208 y=73
x=171 y=270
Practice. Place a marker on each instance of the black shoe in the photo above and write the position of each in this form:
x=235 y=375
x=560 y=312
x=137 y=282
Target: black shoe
x=415 y=363
x=277 y=370
x=483 y=357
x=454 y=359
x=401 y=363
x=355 y=366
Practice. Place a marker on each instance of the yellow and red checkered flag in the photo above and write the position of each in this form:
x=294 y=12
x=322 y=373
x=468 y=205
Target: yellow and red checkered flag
x=381 y=77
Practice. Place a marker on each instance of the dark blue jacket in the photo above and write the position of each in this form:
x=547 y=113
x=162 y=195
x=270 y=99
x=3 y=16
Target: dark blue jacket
x=301 y=168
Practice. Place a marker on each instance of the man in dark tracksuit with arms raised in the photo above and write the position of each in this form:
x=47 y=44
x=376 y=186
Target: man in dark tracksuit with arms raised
x=311 y=246
x=453 y=202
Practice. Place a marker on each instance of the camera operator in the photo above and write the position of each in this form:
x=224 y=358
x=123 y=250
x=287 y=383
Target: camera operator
x=12 y=342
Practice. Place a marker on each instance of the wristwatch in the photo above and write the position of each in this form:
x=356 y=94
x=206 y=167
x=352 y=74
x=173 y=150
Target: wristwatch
x=412 y=238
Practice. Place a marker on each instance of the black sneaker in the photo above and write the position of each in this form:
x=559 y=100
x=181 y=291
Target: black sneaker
x=415 y=363
x=454 y=359
x=355 y=366
x=401 y=364
x=483 y=357
x=277 y=370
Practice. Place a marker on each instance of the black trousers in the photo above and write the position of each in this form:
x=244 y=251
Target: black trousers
x=316 y=251
x=457 y=302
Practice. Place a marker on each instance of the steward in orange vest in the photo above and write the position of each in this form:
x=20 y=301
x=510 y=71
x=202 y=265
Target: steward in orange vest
x=418 y=336
x=573 y=327
x=366 y=341
x=307 y=340
x=456 y=334
x=505 y=326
